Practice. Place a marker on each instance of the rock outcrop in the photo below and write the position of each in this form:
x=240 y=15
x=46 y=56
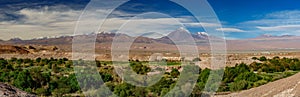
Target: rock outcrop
x=10 y=91
x=8 y=49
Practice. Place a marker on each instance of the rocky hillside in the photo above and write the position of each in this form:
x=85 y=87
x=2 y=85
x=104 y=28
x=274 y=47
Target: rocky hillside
x=10 y=91
x=26 y=49
x=8 y=49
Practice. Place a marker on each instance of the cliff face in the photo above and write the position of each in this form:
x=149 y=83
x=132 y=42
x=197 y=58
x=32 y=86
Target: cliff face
x=10 y=91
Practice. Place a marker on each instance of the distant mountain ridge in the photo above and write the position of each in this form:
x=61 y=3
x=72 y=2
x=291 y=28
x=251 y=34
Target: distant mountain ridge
x=179 y=36
x=268 y=37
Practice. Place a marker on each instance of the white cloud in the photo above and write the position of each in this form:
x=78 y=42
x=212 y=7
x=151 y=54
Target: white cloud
x=281 y=28
x=288 y=17
x=39 y=23
x=287 y=14
x=230 y=30
x=232 y=38
x=275 y=23
x=44 y=22
x=135 y=27
x=60 y=20
x=202 y=24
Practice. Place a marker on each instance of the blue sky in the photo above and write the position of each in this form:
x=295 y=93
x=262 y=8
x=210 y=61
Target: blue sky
x=240 y=19
x=258 y=17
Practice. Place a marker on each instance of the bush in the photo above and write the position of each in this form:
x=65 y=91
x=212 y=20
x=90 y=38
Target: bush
x=263 y=58
x=175 y=73
x=260 y=82
x=248 y=76
x=107 y=77
x=254 y=58
x=239 y=85
x=196 y=59
x=41 y=91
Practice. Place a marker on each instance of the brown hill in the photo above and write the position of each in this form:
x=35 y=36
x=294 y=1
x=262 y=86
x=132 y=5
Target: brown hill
x=8 y=49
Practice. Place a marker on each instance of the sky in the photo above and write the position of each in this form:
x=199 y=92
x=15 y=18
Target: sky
x=240 y=19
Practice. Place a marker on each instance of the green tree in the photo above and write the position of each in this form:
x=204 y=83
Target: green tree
x=124 y=90
x=196 y=59
x=248 y=76
x=38 y=60
x=23 y=80
x=41 y=91
x=239 y=85
x=139 y=68
x=262 y=58
x=175 y=73
x=107 y=77
x=3 y=64
x=254 y=58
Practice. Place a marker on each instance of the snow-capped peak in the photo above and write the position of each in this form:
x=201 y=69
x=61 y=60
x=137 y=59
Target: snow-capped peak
x=182 y=29
x=202 y=33
x=104 y=32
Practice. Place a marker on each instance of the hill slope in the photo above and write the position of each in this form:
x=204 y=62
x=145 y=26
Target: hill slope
x=287 y=87
x=10 y=91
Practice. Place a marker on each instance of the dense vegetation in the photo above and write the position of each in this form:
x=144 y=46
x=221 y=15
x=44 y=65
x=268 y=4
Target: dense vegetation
x=55 y=77
x=264 y=70
x=44 y=77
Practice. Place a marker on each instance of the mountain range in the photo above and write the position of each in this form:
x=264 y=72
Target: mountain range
x=178 y=37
